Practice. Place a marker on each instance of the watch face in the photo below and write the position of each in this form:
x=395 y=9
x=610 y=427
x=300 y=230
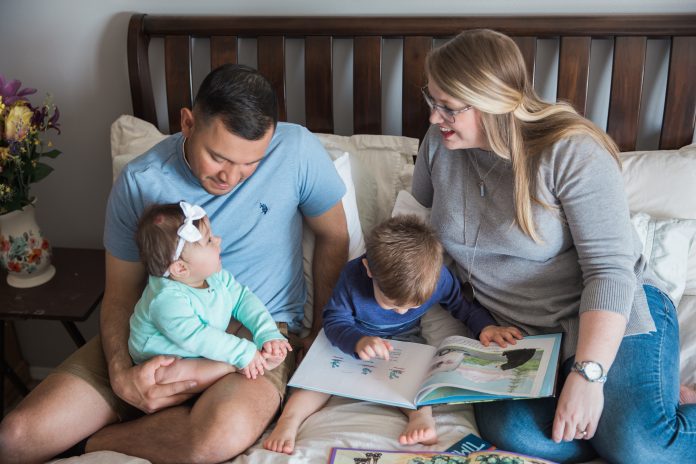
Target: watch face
x=592 y=370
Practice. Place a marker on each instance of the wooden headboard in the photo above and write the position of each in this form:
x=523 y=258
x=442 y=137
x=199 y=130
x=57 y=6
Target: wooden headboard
x=630 y=35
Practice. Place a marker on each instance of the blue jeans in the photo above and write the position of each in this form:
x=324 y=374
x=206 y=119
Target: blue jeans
x=642 y=420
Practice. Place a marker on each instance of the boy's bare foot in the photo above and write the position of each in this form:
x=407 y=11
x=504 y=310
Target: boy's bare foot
x=687 y=394
x=420 y=428
x=282 y=438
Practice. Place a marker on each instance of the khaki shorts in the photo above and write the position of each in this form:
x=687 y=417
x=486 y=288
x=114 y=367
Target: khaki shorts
x=89 y=364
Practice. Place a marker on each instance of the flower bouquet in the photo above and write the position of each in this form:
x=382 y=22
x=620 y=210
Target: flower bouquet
x=23 y=251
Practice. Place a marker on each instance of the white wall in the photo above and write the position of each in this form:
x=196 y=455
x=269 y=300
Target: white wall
x=76 y=50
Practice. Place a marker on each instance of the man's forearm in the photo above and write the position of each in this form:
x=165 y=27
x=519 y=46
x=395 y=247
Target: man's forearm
x=115 y=329
x=124 y=285
x=330 y=255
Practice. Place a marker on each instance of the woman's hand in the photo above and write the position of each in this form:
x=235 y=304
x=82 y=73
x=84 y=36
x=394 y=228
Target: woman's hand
x=373 y=347
x=579 y=409
x=500 y=335
x=137 y=386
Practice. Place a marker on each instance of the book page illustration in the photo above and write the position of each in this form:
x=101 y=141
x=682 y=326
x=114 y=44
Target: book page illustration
x=515 y=371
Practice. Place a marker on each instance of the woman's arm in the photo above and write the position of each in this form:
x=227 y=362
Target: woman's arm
x=581 y=402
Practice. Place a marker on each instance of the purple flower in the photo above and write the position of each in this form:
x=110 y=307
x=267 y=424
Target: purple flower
x=10 y=91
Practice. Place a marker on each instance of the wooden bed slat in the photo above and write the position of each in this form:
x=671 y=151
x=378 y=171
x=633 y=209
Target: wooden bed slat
x=573 y=71
x=223 y=50
x=414 y=110
x=367 y=85
x=271 y=63
x=680 y=101
x=626 y=91
x=319 y=84
x=139 y=70
x=527 y=46
x=177 y=66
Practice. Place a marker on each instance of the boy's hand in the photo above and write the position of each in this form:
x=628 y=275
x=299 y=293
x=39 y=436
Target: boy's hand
x=255 y=367
x=373 y=347
x=276 y=348
x=500 y=335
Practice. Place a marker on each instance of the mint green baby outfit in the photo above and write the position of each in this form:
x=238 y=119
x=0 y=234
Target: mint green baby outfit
x=172 y=318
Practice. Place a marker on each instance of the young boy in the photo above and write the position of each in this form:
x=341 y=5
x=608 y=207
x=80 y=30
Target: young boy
x=383 y=295
x=189 y=300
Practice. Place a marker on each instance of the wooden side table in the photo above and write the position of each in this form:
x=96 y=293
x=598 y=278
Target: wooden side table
x=72 y=295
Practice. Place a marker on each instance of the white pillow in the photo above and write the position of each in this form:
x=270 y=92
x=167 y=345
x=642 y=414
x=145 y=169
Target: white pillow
x=661 y=183
x=382 y=163
x=666 y=245
x=407 y=204
x=357 y=241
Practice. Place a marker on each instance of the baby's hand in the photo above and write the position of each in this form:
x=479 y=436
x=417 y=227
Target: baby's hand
x=500 y=335
x=276 y=348
x=373 y=347
x=255 y=367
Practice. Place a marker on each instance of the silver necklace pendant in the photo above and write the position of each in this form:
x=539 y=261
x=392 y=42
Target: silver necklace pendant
x=482 y=188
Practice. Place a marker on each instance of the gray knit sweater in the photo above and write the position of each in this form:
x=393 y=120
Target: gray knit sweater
x=590 y=258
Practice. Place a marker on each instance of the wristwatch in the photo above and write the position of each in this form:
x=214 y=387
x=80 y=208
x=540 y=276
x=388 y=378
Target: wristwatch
x=591 y=370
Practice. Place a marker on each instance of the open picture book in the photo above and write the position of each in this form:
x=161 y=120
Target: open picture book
x=459 y=370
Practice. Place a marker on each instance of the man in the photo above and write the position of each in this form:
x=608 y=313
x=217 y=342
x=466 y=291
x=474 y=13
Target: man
x=257 y=179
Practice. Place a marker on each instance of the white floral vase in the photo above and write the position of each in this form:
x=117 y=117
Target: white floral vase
x=24 y=253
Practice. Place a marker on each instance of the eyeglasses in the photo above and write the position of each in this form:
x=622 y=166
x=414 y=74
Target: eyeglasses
x=447 y=114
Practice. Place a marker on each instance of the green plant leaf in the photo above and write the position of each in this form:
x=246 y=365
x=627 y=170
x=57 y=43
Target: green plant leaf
x=41 y=171
x=52 y=153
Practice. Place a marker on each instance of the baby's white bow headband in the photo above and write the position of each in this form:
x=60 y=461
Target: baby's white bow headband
x=187 y=232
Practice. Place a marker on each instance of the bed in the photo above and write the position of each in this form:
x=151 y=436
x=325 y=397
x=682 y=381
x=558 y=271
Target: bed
x=165 y=61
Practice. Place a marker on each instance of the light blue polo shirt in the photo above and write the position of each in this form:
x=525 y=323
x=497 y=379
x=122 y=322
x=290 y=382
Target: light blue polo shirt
x=260 y=221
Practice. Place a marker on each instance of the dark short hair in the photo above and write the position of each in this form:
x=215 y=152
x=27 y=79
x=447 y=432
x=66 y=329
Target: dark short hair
x=157 y=236
x=405 y=259
x=241 y=97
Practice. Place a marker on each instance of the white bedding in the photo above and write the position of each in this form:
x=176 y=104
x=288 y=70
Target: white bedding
x=349 y=423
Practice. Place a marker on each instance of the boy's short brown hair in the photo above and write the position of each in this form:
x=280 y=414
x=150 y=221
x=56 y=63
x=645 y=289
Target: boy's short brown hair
x=405 y=259
x=157 y=236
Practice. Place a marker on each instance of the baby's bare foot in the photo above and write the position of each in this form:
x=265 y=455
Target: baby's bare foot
x=687 y=394
x=420 y=429
x=282 y=438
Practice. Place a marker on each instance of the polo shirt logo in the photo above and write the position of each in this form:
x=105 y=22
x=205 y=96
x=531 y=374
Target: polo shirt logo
x=264 y=208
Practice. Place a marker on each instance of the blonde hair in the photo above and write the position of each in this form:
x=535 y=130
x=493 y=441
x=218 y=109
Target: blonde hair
x=405 y=259
x=485 y=69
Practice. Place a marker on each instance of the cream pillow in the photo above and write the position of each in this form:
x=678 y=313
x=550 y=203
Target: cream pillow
x=661 y=183
x=130 y=138
x=381 y=166
x=666 y=245
x=356 y=246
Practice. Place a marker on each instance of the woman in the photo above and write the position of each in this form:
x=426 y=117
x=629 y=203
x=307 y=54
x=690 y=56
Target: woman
x=527 y=197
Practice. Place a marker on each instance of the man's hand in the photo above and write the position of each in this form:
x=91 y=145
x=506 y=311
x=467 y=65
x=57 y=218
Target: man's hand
x=255 y=367
x=137 y=386
x=500 y=335
x=373 y=347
